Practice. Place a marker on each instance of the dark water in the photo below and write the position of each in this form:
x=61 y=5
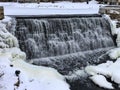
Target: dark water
x=66 y=44
x=87 y=85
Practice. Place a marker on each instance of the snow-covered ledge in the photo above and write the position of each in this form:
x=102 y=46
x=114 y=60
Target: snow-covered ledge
x=16 y=74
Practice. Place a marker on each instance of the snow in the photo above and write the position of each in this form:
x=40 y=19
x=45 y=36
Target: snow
x=8 y=40
x=101 y=81
x=114 y=53
x=31 y=77
x=115 y=31
x=58 y=8
x=75 y=75
x=42 y=78
x=33 y=71
x=109 y=69
x=42 y=81
x=94 y=70
x=12 y=58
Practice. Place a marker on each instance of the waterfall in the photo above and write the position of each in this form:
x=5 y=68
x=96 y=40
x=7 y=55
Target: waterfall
x=64 y=43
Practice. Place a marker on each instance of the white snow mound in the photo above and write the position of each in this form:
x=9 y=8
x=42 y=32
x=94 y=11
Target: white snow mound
x=101 y=81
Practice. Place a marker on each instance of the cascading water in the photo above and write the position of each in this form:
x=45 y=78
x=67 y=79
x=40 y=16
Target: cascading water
x=64 y=43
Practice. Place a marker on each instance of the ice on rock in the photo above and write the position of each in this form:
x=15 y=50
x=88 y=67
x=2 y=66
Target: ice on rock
x=91 y=70
x=17 y=53
x=115 y=30
x=112 y=24
x=7 y=38
x=12 y=41
x=118 y=37
x=99 y=69
x=116 y=77
x=114 y=53
x=101 y=81
x=115 y=73
x=94 y=70
x=3 y=45
x=6 y=20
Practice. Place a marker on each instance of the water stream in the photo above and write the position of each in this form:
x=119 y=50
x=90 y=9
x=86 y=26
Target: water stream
x=66 y=44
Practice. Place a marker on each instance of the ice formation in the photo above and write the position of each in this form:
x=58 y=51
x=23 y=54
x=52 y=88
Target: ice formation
x=7 y=40
x=114 y=29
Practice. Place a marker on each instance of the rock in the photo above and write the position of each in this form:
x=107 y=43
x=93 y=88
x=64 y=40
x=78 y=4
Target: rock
x=17 y=72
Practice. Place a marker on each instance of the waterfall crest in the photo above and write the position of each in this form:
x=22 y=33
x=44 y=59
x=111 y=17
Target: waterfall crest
x=63 y=43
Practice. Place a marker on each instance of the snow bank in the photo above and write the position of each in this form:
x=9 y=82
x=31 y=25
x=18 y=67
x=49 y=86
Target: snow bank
x=7 y=77
x=101 y=81
x=31 y=77
x=16 y=74
x=36 y=72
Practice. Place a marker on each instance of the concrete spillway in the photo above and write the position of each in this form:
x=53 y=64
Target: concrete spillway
x=66 y=42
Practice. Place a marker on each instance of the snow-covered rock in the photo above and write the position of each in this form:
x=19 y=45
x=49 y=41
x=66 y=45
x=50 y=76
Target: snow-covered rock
x=101 y=81
x=94 y=70
x=109 y=69
x=114 y=53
